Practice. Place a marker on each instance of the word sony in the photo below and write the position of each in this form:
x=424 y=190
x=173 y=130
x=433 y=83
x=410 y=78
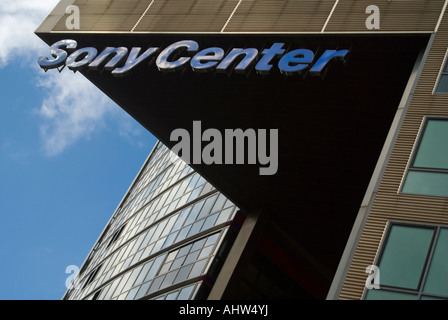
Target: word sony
x=234 y=146
x=120 y=60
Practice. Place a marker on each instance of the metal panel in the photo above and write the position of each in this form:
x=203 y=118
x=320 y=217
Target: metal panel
x=264 y=16
x=280 y=16
x=186 y=16
x=416 y=15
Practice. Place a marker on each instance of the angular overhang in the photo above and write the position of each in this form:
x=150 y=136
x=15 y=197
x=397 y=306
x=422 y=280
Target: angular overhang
x=331 y=128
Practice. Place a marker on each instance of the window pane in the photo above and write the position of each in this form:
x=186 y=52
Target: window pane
x=404 y=256
x=426 y=183
x=443 y=83
x=142 y=291
x=183 y=273
x=132 y=293
x=185 y=293
x=437 y=278
x=172 y=296
x=433 y=149
x=389 y=295
x=431 y=298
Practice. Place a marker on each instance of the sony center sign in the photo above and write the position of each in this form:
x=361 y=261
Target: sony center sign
x=119 y=61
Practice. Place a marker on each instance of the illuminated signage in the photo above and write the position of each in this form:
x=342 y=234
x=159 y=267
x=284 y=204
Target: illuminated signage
x=179 y=55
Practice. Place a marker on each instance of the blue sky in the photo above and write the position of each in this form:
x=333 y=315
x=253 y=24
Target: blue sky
x=67 y=157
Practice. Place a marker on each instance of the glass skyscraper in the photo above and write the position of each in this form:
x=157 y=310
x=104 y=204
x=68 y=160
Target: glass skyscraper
x=166 y=240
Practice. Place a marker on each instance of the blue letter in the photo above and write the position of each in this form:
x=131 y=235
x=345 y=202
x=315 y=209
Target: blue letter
x=133 y=60
x=58 y=54
x=295 y=61
x=325 y=58
x=263 y=65
x=88 y=55
x=162 y=60
x=118 y=55
x=249 y=55
x=212 y=55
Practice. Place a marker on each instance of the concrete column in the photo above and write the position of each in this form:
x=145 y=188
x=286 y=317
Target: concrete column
x=239 y=254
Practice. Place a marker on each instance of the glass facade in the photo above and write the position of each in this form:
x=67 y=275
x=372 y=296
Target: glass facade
x=413 y=264
x=428 y=172
x=166 y=240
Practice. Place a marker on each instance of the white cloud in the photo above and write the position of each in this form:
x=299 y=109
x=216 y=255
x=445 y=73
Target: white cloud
x=73 y=108
x=18 y=21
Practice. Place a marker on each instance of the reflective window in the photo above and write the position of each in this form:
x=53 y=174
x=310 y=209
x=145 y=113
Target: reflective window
x=185 y=263
x=185 y=293
x=413 y=264
x=115 y=236
x=428 y=171
x=404 y=256
x=91 y=276
x=442 y=86
x=437 y=278
x=389 y=295
x=433 y=151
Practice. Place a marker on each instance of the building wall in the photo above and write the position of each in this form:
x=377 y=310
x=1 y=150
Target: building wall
x=167 y=238
x=388 y=203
